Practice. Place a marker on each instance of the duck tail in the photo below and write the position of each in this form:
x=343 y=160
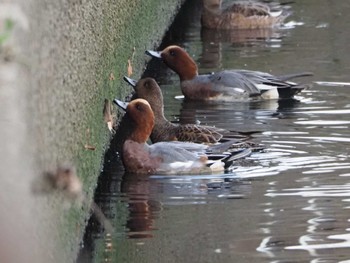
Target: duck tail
x=292 y=90
x=287 y=3
x=295 y=75
x=234 y=156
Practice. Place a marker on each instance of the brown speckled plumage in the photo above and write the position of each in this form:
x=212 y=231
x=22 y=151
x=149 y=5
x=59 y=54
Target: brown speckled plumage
x=242 y=15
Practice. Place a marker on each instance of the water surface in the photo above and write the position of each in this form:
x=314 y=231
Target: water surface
x=288 y=204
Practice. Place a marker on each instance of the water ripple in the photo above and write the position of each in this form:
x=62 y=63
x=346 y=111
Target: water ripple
x=305 y=246
x=320 y=191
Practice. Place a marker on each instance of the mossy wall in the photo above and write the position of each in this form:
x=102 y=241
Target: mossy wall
x=62 y=59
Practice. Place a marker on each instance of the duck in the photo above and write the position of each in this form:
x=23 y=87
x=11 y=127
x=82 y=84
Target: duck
x=174 y=157
x=243 y=15
x=227 y=85
x=164 y=130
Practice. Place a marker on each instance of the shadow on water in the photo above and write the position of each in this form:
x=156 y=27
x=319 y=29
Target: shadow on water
x=287 y=204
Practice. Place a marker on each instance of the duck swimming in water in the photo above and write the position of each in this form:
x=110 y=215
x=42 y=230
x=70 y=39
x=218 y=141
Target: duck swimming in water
x=227 y=85
x=169 y=157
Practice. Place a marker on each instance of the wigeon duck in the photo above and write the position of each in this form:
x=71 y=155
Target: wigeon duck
x=242 y=15
x=227 y=85
x=164 y=130
x=169 y=157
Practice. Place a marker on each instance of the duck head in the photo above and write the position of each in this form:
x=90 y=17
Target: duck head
x=178 y=60
x=141 y=114
x=148 y=89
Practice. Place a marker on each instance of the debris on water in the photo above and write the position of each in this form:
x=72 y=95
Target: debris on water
x=231 y=196
x=322 y=25
x=292 y=24
x=218 y=250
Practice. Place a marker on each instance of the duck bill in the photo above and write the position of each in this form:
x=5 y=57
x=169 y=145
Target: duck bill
x=130 y=81
x=121 y=104
x=154 y=54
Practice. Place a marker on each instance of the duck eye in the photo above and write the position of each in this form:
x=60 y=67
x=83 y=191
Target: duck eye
x=139 y=107
x=172 y=53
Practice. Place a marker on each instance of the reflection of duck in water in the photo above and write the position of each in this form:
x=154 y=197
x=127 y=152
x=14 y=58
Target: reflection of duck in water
x=242 y=15
x=244 y=37
x=145 y=197
x=249 y=116
x=142 y=210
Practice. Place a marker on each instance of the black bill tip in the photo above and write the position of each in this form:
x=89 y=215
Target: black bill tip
x=130 y=81
x=154 y=54
x=121 y=104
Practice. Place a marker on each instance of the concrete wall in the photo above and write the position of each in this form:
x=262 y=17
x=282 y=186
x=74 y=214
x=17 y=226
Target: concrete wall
x=56 y=63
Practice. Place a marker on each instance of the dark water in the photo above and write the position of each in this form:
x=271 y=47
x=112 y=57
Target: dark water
x=289 y=204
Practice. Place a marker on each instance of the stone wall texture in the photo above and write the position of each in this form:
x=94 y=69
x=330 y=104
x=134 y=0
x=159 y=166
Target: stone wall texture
x=59 y=60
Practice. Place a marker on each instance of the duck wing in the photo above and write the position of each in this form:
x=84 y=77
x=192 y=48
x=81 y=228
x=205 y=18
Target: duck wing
x=246 y=82
x=258 y=77
x=265 y=81
x=228 y=158
x=232 y=82
x=177 y=151
x=198 y=134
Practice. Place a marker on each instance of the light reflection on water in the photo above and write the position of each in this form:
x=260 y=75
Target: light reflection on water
x=324 y=231
x=287 y=204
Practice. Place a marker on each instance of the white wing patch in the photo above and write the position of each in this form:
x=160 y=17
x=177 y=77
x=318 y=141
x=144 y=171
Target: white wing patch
x=239 y=90
x=276 y=13
x=217 y=167
x=270 y=94
x=182 y=165
x=264 y=87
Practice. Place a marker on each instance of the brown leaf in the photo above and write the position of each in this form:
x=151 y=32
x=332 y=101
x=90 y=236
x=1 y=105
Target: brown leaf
x=110 y=127
x=90 y=147
x=107 y=111
x=108 y=115
x=129 y=68
x=111 y=76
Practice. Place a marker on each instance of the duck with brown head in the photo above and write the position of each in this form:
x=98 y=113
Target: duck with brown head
x=227 y=85
x=164 y=130
x=169 y=157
